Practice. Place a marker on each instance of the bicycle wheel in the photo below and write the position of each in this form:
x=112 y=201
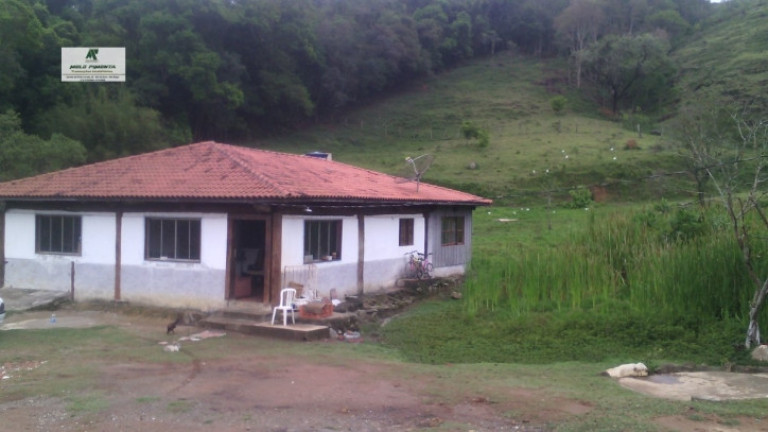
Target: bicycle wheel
x=419 y=271
x=427 y=271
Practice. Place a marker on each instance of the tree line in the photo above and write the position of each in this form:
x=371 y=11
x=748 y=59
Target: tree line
x=233 y=70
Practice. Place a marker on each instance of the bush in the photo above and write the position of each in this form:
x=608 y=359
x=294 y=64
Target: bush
x=581 y=197
x=686 y=225
x=471 y=131
x=558 y=103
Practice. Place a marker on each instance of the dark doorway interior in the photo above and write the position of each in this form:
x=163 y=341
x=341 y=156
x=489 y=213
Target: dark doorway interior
x=249 y=256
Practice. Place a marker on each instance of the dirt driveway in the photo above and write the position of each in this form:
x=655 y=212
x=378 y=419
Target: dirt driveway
x=268 y=389
x=234 y=382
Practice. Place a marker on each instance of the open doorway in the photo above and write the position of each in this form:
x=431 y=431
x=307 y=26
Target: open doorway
x=249 y=244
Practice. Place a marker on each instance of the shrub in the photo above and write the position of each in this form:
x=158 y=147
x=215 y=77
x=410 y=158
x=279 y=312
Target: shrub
x=581 y=197
x=471 y=131
x=686 y=225
x=558 y=103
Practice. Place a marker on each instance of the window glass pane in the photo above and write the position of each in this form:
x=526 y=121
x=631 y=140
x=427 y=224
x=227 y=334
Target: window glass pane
x=77 y=236
x=446 y=231
x=44 y=233
x=182 y=239
x=168 y=239
x=194 y=240
x=452 y=230
x=56 y=234
x=322 y=239
x=176 y=239
x=406 y=232
x=68 y=234
x=334 y=240
x=459 y=239
x=153 y=238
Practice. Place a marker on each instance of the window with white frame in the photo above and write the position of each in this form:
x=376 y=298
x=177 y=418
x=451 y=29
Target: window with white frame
x=322 y=240
x=58 y=234
x=172 y=239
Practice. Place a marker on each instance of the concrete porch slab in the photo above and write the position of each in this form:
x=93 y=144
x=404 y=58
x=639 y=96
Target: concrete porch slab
x=17 y=299
x=298 y=331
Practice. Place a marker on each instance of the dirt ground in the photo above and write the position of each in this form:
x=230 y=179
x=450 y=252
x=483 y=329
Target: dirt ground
x=271 y=392
x=275 y=392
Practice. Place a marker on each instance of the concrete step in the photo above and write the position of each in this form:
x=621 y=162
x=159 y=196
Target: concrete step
x=298 y=331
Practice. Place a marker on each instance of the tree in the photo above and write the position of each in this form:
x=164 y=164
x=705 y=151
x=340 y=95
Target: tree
x=735 y=164
x=701 y=128
x=632 y=71
x=108 y=122
x=23 y=155
x=579 y=24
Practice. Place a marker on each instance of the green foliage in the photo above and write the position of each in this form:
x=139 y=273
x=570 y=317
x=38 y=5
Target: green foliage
x=634 y=120
x=558 y=103
x=109 y=123
x=631 y=71
x=237 y=70
x=439 y=333
x=23 y=155
x=651 y=262
x=581 y=197
x=21 y=34
x=606 y=285
x=471 y=131
x=726 y=57
x=686 y=225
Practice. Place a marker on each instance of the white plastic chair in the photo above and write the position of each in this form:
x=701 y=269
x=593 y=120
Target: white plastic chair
x=287 y=297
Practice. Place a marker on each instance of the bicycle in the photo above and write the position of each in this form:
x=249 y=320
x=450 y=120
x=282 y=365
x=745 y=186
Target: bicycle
x=419 y=266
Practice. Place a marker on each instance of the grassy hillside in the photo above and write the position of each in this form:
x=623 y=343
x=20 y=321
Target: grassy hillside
x=509 y=97
x=728 y=56
x=534 y=154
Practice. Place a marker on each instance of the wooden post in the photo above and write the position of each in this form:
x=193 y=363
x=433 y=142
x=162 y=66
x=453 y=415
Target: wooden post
x=230 y=276
x=275 y=267
x=72 y=281
x=118 y=255
x=360 y=253
x=2 y=243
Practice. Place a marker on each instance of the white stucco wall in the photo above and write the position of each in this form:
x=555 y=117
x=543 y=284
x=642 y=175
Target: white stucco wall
x=198 y=285
x=382 y=240
x=384 y=258
x=213 y=238
x=94 y=266
x=293 y=239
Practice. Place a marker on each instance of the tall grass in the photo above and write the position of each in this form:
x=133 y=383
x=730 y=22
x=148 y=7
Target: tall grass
x=649 y=262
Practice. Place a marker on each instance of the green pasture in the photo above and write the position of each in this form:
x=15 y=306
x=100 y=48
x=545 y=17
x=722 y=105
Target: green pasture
x=533 y=152
x=653 y=283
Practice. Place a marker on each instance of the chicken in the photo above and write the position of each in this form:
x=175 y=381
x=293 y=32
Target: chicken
x=172 y=326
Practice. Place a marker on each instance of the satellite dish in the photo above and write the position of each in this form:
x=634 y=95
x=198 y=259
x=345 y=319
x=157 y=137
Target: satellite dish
x=415 y=168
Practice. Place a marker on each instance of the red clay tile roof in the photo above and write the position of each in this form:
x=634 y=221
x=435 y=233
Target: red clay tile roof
x=222 y=172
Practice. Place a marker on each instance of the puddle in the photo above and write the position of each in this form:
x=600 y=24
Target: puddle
x=711 y=386
x=663 y=379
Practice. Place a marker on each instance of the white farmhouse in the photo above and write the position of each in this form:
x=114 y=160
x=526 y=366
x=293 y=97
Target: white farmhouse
x=200 y=225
